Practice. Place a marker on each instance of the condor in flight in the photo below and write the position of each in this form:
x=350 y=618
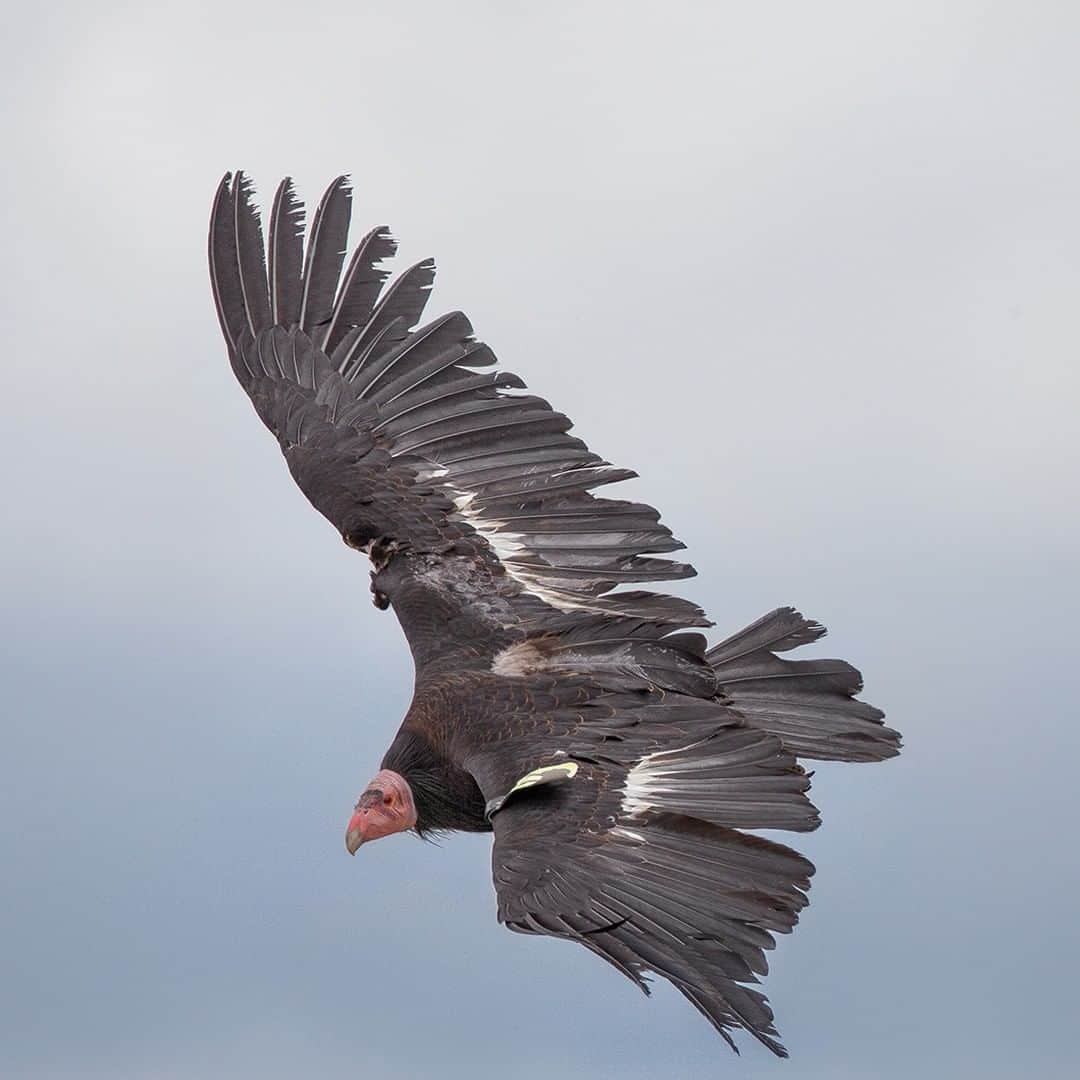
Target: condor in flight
x=619 y=761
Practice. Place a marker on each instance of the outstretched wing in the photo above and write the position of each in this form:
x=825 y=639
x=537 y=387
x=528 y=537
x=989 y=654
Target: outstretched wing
x=618 y=801
x=410 y=443
x=640 y=863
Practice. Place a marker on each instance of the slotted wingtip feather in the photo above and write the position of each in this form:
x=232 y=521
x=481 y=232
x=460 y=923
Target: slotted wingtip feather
x=224 y=270
x=360 y=285
x=250 y=254
x=400 y=307
x=286 y=243
x=325 y=255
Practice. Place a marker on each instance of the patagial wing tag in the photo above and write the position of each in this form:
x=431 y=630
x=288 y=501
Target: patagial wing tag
x=545 y=774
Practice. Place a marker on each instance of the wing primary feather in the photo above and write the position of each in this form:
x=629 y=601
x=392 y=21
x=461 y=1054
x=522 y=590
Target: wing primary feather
x=470 y=451
x=445 y=334
x=327 y=241
x=398 y=310
x=476 y=355
x=496 y=459
x=401 y=305
x=574 y=480
x=489 y=431
x=286 y=242
x=476 y=481
x=251 y=257
x=466 y=384
x=361 y=349
x=457 y=412
x=225 y=269
x=360 y=286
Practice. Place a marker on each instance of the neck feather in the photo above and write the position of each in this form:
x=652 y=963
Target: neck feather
x=446 y=797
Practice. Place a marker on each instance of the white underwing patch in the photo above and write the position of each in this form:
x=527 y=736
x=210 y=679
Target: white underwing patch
x=657 y=779
x=507 y=547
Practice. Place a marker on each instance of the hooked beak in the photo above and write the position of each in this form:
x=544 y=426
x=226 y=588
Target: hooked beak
x=354 y=833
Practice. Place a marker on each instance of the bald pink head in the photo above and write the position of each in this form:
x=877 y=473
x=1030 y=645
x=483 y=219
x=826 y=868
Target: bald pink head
x=385 y=807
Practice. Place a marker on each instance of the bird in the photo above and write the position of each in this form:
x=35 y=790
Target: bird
x=624 y=765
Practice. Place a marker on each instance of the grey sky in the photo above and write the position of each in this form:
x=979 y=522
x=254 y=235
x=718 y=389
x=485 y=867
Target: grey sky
x=811 y=269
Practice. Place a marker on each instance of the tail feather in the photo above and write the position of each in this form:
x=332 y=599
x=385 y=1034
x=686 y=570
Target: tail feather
x=809 y=705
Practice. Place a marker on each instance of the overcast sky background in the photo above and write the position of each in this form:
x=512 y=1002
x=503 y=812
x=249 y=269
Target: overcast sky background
x=812 y=269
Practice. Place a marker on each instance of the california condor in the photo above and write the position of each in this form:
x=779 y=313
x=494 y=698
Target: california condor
x=617 y=758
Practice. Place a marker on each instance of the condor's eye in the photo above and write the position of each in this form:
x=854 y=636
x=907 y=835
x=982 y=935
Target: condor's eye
x=388 y=800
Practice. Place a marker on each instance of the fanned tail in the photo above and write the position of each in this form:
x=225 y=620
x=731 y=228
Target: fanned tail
x=810 y=705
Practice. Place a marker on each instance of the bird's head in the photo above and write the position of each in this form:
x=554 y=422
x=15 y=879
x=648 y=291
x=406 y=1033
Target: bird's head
x=385 y=807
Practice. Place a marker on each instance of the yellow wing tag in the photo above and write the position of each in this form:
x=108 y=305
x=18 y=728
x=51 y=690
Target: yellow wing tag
x=545 y=774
